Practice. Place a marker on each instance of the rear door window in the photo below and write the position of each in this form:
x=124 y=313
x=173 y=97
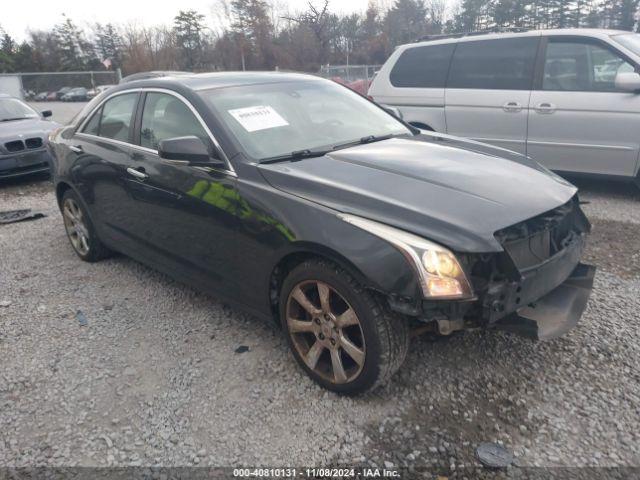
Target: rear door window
x=422 y=67
x=502 y=64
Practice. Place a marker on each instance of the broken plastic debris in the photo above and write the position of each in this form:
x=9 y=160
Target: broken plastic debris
x=242 y=349
x=82 y=320
x=493 y=455
x=12 y=216
x=5 y=303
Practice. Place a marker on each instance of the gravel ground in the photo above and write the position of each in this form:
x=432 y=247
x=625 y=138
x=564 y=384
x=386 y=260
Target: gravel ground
x=153 y=378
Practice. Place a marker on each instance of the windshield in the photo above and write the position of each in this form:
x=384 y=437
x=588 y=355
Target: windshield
x=631 y=41
x=277 y=119
x=14 y=109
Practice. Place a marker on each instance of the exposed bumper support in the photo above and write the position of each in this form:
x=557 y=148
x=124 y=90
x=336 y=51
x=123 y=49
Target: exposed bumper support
x=555 y=313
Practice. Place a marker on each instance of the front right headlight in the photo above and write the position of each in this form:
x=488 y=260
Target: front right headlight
x=437 y=268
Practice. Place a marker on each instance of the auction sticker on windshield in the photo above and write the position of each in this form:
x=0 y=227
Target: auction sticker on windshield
x=257 y=118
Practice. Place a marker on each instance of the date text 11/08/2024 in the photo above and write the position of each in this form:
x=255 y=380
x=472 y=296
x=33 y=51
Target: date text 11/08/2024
x=316 y=473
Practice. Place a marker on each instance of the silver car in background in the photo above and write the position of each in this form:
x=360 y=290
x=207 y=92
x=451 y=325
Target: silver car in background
x=24 y=135
x=570 y=98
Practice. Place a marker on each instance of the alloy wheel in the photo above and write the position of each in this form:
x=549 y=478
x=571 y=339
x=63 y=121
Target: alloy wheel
x=325 y=331
x=75 y=226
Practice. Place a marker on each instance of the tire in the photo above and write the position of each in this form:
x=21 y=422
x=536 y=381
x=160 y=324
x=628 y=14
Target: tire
x=78 y=225
x=380 y=336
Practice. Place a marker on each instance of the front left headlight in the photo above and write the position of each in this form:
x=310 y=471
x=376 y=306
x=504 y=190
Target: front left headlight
x=437 y=268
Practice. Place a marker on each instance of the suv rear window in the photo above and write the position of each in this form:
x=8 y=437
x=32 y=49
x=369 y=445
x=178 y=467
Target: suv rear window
x=503 y=64
x=422 y=67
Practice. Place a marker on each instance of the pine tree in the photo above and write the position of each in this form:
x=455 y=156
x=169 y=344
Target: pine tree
x=74 y=50
x=406 y=21
x=108 y=44
x=254 y=32
x=189 y=29
x=7 y=47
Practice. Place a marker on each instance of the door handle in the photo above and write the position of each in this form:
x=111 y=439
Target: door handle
x=545 y=107
x=138 y=173
x=512 y=107
x=76 y=148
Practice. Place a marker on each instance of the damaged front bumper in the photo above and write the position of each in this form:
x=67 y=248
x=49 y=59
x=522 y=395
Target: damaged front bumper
x=555 y=313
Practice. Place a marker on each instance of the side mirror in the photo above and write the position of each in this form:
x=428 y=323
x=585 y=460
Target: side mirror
x=46 y=113
x=393 y=111
x=629 y=82
x=190 y=150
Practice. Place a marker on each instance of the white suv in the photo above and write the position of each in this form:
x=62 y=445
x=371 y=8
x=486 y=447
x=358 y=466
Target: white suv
x=567 y=98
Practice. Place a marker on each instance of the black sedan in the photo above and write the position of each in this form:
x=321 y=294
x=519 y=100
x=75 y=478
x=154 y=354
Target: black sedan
x=75 y=95
x=300 y=200
x=23 y=138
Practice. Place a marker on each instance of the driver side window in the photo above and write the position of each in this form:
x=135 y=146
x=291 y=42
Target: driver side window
x=165 y=116
x=575 y=66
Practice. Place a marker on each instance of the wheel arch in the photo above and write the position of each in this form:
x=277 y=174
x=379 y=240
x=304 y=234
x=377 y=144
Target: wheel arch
x=302 y=252
x=61 y=188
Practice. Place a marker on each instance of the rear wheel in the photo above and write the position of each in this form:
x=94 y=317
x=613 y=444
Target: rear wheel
x=344 y=337
x=80 y=230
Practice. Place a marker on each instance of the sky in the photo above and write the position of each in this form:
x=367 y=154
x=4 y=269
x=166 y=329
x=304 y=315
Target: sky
x=18 y=16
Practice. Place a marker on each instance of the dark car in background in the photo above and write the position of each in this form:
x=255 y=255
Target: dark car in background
x=300 y=200
x=62 y=92
x=78 y=94
x=23 y=138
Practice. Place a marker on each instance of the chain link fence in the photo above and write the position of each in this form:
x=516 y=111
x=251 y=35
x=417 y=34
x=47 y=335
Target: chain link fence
x=48 y=86
x=349 y=73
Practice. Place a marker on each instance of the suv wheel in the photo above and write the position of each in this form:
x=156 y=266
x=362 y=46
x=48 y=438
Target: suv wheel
x=344 y=337
x=80 y=230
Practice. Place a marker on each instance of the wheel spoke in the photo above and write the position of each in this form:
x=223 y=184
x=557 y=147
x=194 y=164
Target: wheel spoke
x=299 y=326
x=347 y=319
x=324 y=292
x=305 y=303
x=84 y=243
x=68 y=213
x=353 y=351
x=338 y=370
x=313 y=355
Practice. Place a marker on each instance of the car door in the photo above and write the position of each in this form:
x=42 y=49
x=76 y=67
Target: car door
x=185 y=216
x=488 y=89
x=578 y=120
x=102 y=150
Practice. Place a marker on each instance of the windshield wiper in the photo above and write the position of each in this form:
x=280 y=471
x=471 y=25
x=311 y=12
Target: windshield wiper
x=300 y=154
x=296 y=155
x=367 y=139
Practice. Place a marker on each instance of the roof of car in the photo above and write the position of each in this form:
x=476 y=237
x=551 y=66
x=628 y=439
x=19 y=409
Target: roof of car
x=205 y=81
x=473 y=36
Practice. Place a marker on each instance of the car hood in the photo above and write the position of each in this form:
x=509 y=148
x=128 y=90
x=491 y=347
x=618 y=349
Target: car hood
x=455 y=192
x=17 y=129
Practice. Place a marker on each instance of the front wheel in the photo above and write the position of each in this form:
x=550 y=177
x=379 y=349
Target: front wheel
x=80 y=229
x=344 y=337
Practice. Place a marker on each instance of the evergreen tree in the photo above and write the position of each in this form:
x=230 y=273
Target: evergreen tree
x=254 y=33
x=189 y=29
x=73 y=49
x=7 y=47
x=406 y=21
x=108 y=44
